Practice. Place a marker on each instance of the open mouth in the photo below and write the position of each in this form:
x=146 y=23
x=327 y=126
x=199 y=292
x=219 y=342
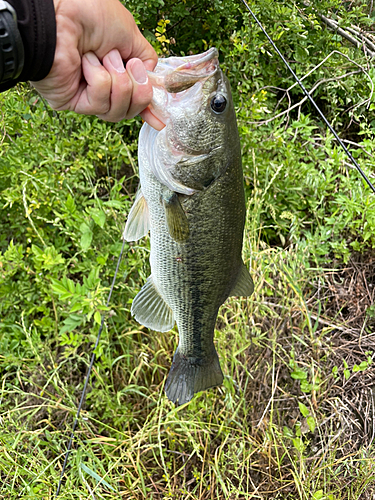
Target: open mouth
x=174 y=75
x=197 y=68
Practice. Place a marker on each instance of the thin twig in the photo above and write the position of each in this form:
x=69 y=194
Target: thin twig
x=27 y=213
x=346 y=57
x=270 y=400
x=361 y=34
x=299 y=104
x=335 y=26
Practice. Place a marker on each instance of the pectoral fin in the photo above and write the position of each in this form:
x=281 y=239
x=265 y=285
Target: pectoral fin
x=150 y=309
x=178 y=225
x=244 y=286
x=138 y=223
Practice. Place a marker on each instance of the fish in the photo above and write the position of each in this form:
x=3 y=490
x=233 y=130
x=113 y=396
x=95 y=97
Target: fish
x=191 y=199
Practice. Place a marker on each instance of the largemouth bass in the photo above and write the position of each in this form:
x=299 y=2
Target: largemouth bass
x=191 y=199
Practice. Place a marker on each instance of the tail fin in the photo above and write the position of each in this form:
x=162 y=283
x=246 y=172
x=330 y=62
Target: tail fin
x=190 y=375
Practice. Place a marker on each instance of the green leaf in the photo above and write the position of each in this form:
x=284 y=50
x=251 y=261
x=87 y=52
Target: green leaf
x=36 y=251
x=84 y=227
x=98 y=318
x=318 y=495
x=311 y=423
x=76 y=317
x=86 y=240
x=102 y=259
x=299 y=374
x=76 y=307
x=306 y=386
x=70 y=204
x=288 y=433
x=303 y=409
x=363 y=365
x=96 y=476
x=298 y=444
x=92 y=279
x=58 y=287
x=71 y=323
x=98 y=217
x=71 y=285
x=103 y=308
x=113 y=204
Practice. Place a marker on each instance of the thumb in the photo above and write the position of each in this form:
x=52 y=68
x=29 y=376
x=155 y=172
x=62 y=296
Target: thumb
x=142 y=88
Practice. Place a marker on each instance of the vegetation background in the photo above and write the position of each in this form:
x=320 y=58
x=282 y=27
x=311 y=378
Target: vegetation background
x=295 y=417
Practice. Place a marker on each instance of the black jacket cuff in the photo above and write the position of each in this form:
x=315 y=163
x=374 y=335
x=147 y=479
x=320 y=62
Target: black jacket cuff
x=37 y=26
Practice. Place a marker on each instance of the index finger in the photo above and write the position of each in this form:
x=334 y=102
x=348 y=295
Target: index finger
x=140 y=49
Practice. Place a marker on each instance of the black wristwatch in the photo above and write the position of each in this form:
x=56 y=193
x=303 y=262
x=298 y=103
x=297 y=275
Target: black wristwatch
x=11 y=46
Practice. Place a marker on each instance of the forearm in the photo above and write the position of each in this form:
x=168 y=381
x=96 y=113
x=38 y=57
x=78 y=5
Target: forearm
x=37 y=26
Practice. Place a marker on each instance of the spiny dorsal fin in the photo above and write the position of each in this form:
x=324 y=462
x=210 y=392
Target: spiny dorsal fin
x=244 y=286
x=138 y=223
x=178 y=225
x=150 y=309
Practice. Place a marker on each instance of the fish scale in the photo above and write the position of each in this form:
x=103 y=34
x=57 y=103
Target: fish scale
x=196 y=238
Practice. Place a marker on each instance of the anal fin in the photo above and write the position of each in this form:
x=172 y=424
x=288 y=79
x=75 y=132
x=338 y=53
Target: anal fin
x=150 y=309
x=138 y=223
x=244 y=286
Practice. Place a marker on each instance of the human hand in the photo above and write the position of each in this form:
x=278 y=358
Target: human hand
x=88 y=74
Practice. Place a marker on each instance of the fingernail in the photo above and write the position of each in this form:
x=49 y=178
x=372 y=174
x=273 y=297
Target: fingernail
x=139 y=72
x=92 y=59
x=116 y=60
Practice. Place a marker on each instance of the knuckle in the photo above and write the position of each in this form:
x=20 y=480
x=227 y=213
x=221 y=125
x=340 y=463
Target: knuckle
x=125 y=87
x=113 y=115
x=104 y=79
x=102 y=109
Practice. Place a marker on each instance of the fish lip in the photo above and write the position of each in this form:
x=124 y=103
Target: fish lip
x=177 y=74
x=172 y=64
x=198 y=59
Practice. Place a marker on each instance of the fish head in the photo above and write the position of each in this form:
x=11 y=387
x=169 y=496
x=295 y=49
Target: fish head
x=192 y=97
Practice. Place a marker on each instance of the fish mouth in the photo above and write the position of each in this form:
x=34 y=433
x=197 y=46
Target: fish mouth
x=176 y=74
x=197 y=68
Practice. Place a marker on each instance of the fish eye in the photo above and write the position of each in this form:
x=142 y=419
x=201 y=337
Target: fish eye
x=218 y=103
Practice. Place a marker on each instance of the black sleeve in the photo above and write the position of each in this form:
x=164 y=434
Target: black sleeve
x=37 y=26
